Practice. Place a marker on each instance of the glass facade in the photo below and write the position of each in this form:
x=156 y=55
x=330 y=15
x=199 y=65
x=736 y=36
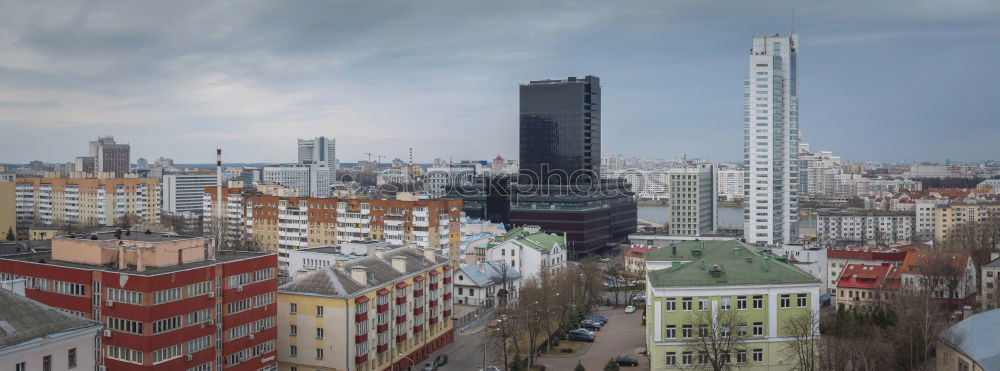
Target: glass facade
x=560 y=130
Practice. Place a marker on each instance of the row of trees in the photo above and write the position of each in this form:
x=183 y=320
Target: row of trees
x=545 y=308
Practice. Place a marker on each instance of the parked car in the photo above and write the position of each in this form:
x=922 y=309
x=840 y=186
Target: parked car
x=626 y=361
x=629 y=309
x=584 y=331
x=598 y=320
x=430 y=367
x=490 y=368
x=590 y=325
x=580 y=336
x=441 y=360
x=639 y=298
x=602 y=317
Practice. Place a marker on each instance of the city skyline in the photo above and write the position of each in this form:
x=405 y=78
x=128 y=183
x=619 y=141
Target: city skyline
x=272 y=74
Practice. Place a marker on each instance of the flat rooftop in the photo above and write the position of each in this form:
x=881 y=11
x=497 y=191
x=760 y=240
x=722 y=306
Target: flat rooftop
x=129 y=236
x=222 y=256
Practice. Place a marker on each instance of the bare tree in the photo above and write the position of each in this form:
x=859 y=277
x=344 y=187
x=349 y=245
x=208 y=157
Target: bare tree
x=804 y=346
x=721 y=333
x=528 y=310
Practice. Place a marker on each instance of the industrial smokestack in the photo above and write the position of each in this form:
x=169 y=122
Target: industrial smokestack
x=218 y=205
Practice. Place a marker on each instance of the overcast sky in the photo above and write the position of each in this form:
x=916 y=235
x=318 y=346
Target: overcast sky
x=878 y=80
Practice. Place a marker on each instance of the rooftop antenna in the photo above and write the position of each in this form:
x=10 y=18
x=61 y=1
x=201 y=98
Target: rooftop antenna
x=218 y=205
x=793 y=21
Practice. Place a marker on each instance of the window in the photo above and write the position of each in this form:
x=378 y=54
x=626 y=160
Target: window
x=293 y=330
x=166 y=296
x=702 y=358
x=263 y=299
x=758 y=329
x=68 y=288
x=671 y=304
x=238 y=280
x=686 y=358
x=125 y=296
x=686 y=304
x=71 y=358
x=741 y=330
x=758 y=355
x=263 y=275
x=239 y=331
x=702 y=331
x=292 y=308
x=319 y=311
x=671 y=331
x=239 y=306
x=125 y=325
x=741 y=356
x=198 y=344
x=262 y=348
x=801 y=300
x=165 y=325
x=47 y=363
x=786 y=300
x=199 y=316
x=319 y=332
x=202 y=367
x=319 y=353
x=758 y=302
x=165 y=354
x=124 y=354
x=293 y=351
x=724 y=302
x=21 y=366
x=671 y=358
x=741 y=302
x=198 y=289
x=686 y=331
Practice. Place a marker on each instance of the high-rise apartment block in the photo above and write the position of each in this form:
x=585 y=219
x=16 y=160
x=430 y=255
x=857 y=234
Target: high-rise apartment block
x=110 y=157
x=184 y=192
x=771 y=141
x=731 y=183
x=693 y=201
x=86 y=201
x=320 y=150
x=164 y=303
x=311 y=180
x=282 y=224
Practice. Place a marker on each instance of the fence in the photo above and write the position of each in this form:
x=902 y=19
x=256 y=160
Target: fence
x=473 y=319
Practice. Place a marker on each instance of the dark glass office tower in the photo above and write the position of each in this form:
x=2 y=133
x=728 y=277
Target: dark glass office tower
x=559 y=186
x=560 y=131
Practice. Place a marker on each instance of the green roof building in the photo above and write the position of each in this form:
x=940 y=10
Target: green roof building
x=528 y=250
x=700 y=276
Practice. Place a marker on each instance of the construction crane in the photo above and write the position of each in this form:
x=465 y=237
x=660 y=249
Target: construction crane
x=369 y=156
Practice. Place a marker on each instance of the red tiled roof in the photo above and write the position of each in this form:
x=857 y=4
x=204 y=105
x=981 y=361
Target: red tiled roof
x=918 y=260
x=638 y=251
x=866 y=255
x=868 y=276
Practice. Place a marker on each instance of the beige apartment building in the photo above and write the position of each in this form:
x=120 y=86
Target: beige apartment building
x=283 y=224
x=948 y=219
x=85 y=201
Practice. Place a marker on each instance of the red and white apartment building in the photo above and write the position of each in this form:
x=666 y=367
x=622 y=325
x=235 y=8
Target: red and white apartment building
x=167 y=302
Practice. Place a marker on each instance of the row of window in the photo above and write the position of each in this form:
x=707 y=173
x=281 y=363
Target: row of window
x=725 y=302
x=703 y=331
x=688 y=358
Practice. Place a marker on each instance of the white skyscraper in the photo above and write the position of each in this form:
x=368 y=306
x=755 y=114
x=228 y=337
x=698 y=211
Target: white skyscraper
x=320 y=151
x=771 y=141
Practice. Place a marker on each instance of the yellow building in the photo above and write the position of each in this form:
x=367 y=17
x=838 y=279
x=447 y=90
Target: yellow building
x=8 y=215
x=87 y=201
x=45 y=232
x=383 y=312
x=970 y=345
x=949 y=219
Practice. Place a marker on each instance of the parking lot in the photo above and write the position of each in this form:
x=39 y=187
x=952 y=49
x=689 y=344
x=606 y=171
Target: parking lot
x=624 y=334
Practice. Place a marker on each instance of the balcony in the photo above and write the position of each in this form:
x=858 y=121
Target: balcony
x=361 y=317
x=401 y=318
x=400 y=300
x=382 y=347
x=361 y=359
x=400 y=338
x=382 y=328
x=433 y=321
x=418 y=311
x=418 y=328
x=447 y=313
x=360 y=338
x=447 y=296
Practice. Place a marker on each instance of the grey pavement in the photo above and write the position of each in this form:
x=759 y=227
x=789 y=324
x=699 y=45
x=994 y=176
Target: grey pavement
x=624 y=334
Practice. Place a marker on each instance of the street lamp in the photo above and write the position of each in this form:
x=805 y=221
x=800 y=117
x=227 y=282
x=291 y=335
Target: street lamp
x=486 y=331
x=412 y=364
